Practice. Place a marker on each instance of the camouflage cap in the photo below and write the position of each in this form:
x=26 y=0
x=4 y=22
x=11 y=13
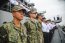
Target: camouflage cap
x=40 y=14
x=17 y=8
x=33 y=10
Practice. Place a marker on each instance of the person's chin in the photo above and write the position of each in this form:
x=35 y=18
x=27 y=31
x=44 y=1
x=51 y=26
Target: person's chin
x=20 y=19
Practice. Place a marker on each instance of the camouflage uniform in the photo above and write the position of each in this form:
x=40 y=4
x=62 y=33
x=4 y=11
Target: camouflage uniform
x=32 y=31
x=15 y=34
x=41 y=39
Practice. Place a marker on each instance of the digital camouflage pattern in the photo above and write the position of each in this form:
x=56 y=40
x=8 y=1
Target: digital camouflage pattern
x=41 y=39
x=32 y=31
x=15 y=34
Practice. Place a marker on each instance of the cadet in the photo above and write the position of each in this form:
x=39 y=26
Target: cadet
x=15 y=30
x=39 y=17
x=32 y=27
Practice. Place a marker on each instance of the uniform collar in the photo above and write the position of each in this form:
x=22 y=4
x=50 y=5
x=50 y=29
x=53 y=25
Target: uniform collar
x=33 y=21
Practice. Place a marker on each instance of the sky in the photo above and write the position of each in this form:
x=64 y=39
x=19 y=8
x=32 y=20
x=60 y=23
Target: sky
x=52 y=7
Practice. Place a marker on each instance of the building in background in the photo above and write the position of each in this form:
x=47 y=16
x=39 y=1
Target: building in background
x=6 y=6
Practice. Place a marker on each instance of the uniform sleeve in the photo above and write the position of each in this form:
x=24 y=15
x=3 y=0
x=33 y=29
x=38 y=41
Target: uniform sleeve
x=25 y=35
x=27 y=25
x=39 y=26
x=3 y=35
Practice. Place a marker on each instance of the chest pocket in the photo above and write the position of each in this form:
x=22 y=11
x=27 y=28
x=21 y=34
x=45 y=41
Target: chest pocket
x=33 y=28
x=12 y=33
x=13 y=36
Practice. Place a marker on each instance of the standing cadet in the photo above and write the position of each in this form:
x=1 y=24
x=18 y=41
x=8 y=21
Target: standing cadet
x=49 y=25
x=45 y=30
x=16 y=31
x=32 y=27
x=39 y=17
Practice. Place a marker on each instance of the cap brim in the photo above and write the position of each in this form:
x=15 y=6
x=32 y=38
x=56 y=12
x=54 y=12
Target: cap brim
x=43 y=18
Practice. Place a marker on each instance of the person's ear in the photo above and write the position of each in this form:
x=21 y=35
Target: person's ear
x=13 y=14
